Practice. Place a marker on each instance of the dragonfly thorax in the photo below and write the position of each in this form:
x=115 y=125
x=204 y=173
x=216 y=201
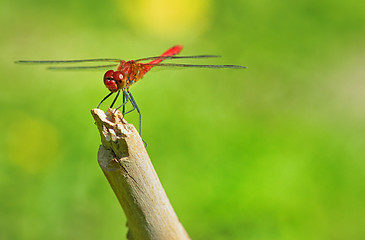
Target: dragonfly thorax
x=126 y=74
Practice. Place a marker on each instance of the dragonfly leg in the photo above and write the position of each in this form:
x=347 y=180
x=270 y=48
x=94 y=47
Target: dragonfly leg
x=132 y=102
x=135 y=106
x=128 y=96
x=125 y=96
x=104 y=99
x=123 y=111
x=115 y=99
x=139 y=112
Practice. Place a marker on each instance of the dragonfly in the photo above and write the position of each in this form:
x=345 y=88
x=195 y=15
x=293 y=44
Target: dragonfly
x=127 y=73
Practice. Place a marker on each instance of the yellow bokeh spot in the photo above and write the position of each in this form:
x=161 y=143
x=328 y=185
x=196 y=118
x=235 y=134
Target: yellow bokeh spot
x=165 y=17
x=32 y=143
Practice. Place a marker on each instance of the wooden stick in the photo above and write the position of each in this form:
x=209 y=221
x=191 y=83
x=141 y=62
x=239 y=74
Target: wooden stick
x=125 y=163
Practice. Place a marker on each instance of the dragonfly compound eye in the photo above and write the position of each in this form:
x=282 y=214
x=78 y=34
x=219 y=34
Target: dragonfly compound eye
x=108 y=75
x=110 y=82
x=119 y=78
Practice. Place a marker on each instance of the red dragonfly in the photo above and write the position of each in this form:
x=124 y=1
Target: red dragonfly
x=129 y=72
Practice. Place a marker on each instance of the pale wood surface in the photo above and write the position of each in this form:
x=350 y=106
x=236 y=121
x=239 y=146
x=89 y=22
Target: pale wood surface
x=126 y=164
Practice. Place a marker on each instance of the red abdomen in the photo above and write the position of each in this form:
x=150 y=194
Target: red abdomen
x=172 y=51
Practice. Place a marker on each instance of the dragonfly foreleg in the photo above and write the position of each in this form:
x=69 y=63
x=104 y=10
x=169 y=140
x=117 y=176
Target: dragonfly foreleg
x=115 y=99
x=123 y=110
x=104 y=99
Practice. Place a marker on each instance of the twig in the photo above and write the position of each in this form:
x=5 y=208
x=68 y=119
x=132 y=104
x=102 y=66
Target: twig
x=125 y=163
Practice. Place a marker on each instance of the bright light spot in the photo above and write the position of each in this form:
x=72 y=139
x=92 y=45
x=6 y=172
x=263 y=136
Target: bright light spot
x=167 y=18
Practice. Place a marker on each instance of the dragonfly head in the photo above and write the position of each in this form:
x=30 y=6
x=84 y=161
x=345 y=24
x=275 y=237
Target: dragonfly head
x=114 y=80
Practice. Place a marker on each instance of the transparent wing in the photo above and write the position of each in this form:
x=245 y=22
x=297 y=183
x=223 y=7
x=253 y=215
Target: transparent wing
x=83 y=67
x=177 y=57
x=109 y=59
x=68 y=61
x=194 y=66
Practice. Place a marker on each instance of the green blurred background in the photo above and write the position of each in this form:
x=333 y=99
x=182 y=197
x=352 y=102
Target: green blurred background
x=275 y=151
